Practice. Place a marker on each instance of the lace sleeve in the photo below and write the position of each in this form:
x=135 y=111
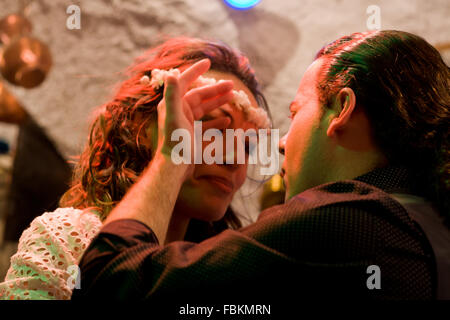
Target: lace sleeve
x=47 y=254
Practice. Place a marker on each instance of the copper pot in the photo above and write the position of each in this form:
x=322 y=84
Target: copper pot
x=13 y=25
x=11 y=111
x=25 y=62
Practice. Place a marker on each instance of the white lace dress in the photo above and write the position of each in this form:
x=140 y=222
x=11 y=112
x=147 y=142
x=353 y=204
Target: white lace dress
x=46 y=262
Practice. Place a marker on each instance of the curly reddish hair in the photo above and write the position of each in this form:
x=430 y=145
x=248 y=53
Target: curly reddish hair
x=115 y=156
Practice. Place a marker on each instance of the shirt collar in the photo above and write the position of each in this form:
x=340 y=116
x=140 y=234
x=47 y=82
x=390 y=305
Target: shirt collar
x=390 y=179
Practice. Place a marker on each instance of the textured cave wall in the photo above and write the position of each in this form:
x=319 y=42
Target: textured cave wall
x=279 y=36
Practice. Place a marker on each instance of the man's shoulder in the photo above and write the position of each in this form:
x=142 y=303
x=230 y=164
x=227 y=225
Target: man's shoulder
x=340 y=194
x=345 y=219
x=339 y=208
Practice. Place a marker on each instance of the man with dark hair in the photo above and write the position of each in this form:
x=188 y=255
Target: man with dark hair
x=362 y=213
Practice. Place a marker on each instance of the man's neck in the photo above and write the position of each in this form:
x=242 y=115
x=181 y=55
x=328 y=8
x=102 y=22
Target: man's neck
x=348 y=165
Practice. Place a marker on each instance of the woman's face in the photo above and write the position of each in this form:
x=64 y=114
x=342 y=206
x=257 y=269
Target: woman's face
x=207 y=194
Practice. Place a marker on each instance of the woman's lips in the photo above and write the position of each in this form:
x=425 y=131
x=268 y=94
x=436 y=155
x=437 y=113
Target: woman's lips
x=222 y=184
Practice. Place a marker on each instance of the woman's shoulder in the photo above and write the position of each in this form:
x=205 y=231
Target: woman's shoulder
x=48 y=250
x=62 y=225
x=74 y=217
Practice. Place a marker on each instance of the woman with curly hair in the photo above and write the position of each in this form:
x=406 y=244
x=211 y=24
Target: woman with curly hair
x=122 y=141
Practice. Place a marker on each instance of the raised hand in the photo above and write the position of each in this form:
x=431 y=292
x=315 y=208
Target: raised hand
x=151 y=200
x=180 y=108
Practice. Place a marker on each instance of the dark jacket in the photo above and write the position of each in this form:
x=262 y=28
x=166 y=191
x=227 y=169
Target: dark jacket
x=326 y=242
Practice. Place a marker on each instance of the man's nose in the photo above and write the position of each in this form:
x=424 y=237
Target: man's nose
x=282 y=144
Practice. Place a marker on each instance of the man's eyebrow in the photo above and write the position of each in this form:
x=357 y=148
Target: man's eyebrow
x=292 y=105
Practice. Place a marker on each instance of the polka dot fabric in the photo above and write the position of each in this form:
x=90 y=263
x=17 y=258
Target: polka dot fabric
x=47 y=253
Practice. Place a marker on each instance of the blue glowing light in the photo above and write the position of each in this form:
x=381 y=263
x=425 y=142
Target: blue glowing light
x=242 y=4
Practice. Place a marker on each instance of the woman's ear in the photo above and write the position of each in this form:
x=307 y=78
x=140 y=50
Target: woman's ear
x=344 y=103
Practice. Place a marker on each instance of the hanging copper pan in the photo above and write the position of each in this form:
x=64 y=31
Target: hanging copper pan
x=25 y=62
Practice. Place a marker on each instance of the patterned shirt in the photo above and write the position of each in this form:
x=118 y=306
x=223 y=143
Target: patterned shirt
x=347 y=239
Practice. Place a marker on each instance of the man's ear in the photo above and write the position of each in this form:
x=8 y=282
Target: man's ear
x=344 y=103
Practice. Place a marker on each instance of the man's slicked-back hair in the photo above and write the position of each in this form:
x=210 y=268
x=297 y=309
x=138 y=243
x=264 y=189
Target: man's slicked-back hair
x=402 y=84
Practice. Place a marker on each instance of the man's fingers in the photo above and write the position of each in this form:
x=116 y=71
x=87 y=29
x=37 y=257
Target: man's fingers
x=193 y=72
x=172 y=96
x=196 y=96
x=218 y=123
x=207 y=106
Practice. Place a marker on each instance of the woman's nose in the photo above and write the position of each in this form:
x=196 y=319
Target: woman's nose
x=282 y=144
